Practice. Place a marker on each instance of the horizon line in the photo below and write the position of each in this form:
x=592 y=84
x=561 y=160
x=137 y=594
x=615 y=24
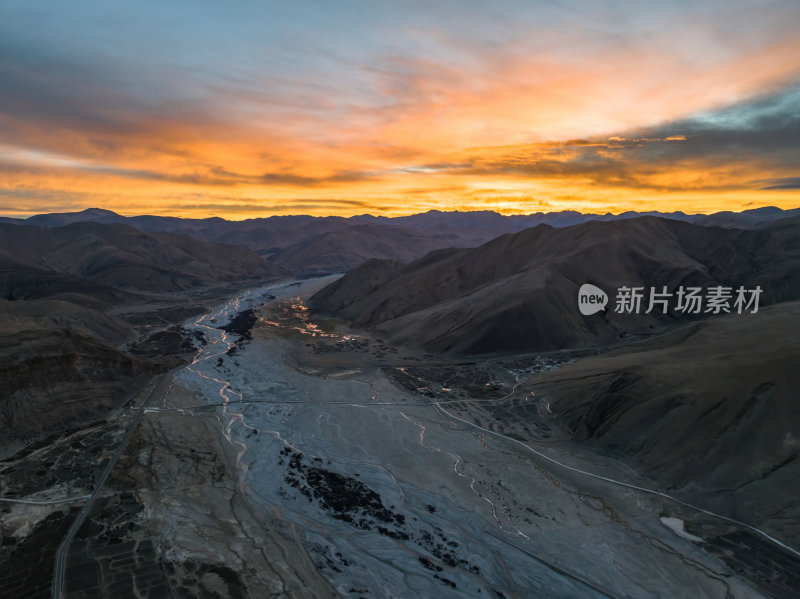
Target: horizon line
x=396 y=216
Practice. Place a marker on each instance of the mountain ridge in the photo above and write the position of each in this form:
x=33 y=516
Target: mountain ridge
x=310 y=244
x=518 y=292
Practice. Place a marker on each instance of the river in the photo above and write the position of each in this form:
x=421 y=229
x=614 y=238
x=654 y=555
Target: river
x=389 y=497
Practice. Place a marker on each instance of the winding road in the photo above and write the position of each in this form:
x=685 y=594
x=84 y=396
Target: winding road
x=63 y=548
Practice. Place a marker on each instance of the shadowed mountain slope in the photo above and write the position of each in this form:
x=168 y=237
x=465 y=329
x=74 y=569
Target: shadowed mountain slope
x=351 y=247
x=93 y=258
x=519 y=292
x=74 y=299
x=710 y=409
x=62 y=368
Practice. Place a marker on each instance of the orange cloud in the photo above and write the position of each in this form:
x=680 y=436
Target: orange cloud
x=504 y=127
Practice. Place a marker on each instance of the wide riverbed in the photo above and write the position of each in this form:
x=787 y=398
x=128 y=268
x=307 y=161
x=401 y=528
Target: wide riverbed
x=387 y=496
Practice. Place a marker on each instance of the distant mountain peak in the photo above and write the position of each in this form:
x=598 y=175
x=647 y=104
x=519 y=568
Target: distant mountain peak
x=764 y=210
x=100 y=215
x=98 y=212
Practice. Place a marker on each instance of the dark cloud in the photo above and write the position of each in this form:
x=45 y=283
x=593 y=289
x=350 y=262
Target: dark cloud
x=219 y=176
x=763 y=134
x=785 y=183
x=68 y=200
x=74 y=99
x=21 y=203
x=764 y=128
x=91 y=105
x=44 y=88
x=208 y=175
x=587 y=163
x=271 y=206
x=305 y=181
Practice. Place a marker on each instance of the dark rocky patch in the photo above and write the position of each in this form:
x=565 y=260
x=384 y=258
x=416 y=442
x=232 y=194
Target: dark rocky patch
x=241 y=324
x=346 y=498
x=325 y=560
x=429 y=564
x=26 y=567
x=442 y=548
x=445 y=581
x=76 y=463
x=352 y=501
x=172 y=341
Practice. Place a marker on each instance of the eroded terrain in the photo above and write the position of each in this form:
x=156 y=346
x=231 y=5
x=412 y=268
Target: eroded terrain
x=294 y=458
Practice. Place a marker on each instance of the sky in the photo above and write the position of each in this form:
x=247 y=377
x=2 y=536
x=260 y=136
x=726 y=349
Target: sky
x=252 y=108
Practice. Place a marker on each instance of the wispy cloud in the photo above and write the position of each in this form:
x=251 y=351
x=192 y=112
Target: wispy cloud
x=398 y=106
x=785 y=183
x=716 y=151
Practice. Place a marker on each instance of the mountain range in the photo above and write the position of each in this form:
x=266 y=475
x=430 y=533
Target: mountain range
x=107 y=259
x=519 y=291
x=704 y=405
x=74 y=299
x=336 y=244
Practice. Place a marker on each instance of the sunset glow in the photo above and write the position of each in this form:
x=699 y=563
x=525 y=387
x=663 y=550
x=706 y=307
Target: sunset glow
x=201 y=109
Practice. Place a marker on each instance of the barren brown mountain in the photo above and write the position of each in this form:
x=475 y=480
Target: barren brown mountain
x=709 y=410
x=518 y=292
x=76 y=298
x=117 y=256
